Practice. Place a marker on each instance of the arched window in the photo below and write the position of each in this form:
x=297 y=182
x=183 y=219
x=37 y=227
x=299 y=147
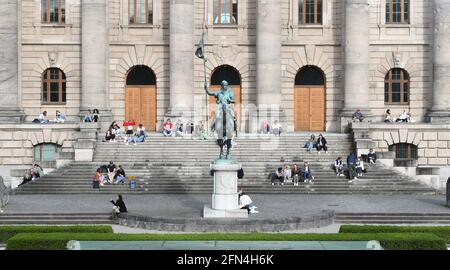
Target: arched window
x=46 y=152
x=310 y=75
x=227 y=73
x=396 y=87
x=404 y=151
x=310 y=11
x=53 y=86
x=397 y=11
x=140 y=11
x=53 y=11
x=141 y=75
x=225 y=11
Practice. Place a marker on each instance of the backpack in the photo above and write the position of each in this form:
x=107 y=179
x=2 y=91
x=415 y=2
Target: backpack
x=36 y=121
x=240 y=173
x=104 y=169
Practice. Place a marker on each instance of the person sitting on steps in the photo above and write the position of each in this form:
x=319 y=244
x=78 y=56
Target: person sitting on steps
x=321 y=144
x=277 y=175
x=295 y=174
x=307 y=174
x=339 y=166
x=120 y=175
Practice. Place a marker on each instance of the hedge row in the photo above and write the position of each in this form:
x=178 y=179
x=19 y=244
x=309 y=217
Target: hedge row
x=441 y=231
x=389 y=241
x=7 y=232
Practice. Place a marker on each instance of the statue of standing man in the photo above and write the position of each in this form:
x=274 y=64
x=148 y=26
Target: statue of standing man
x=225 y=117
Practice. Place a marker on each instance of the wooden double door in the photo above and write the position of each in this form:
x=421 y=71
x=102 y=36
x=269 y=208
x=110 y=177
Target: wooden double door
x=237 y=104
x=309 y=108
x=140 y=105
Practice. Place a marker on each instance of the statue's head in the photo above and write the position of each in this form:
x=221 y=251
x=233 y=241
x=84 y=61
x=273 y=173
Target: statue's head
x=224 y=84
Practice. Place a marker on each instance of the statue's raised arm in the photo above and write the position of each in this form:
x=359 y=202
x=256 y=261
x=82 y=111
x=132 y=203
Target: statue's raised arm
x=209 y=92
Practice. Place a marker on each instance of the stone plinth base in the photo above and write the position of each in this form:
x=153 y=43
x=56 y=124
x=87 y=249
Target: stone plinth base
x=225 y=196
x=208 y=212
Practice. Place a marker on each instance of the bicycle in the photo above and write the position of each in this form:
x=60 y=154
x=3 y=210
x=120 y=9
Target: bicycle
x=4 y=194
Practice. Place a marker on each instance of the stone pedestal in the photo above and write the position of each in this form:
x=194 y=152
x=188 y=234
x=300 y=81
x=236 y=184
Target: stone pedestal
x=225 y=196
x=84 y=147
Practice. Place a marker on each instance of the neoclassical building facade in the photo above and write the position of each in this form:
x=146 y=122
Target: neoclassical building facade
x=307 y=63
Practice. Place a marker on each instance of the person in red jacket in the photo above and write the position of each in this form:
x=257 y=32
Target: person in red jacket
x=129 y=125
x=168 y=126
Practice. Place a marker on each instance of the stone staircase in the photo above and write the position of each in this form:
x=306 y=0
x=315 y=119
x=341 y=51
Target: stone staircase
x=179 y=165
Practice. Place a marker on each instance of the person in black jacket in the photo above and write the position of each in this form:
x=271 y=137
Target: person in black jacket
x=321 y=144
x=119 y=206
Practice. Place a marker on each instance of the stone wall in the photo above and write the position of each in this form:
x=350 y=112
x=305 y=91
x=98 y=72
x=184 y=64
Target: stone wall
x=44 y=46
x=432 y=141
x=17 y=143
x=405 y=46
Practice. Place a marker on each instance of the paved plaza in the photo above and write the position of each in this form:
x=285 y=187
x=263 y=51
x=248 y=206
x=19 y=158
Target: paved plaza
x=190 y=206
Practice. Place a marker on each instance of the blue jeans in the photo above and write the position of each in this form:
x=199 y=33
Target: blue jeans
x=310 y=146
x=137 y=139
x=120 y=179
x=307 y=176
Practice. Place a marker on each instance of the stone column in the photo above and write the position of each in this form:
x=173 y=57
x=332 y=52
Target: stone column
x=268 y=60
x=356 y=45
x=9 y=81
x=441 y=63
x=181 y=58
x=94 y=61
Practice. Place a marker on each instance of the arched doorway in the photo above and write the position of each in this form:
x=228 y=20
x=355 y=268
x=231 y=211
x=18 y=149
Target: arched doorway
x=309 y=100
x=232 y=76
x=140 y=97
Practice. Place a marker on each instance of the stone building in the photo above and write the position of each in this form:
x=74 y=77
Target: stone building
x=308 y=63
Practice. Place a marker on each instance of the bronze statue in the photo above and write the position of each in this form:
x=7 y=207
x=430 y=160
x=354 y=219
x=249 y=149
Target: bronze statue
x=225 y=117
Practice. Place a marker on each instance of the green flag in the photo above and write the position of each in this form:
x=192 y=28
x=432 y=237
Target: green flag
x=200 y=48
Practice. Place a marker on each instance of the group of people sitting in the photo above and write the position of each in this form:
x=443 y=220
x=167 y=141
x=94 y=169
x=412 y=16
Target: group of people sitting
x=355 y=166
x=320 y=144
x=114 y=132
x=275 y=129
x=293 y=174
x=405 y=117
x=43 y=119
x=109 y=174
x=32 y=174
x=91 y=116
x=180 y=130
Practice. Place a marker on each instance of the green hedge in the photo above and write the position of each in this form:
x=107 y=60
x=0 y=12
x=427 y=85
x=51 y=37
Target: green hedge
x=7 y=232
x=441 y=231
x=390 y=241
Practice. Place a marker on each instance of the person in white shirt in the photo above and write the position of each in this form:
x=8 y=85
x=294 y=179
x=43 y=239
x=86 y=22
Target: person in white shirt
x=360 y=166
x=60 y=117
x=339 y=167
x=276 y=128
x=388 y=117
x=245 y=202
x=403 y=117
x=287 y=173
x=43 y=118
